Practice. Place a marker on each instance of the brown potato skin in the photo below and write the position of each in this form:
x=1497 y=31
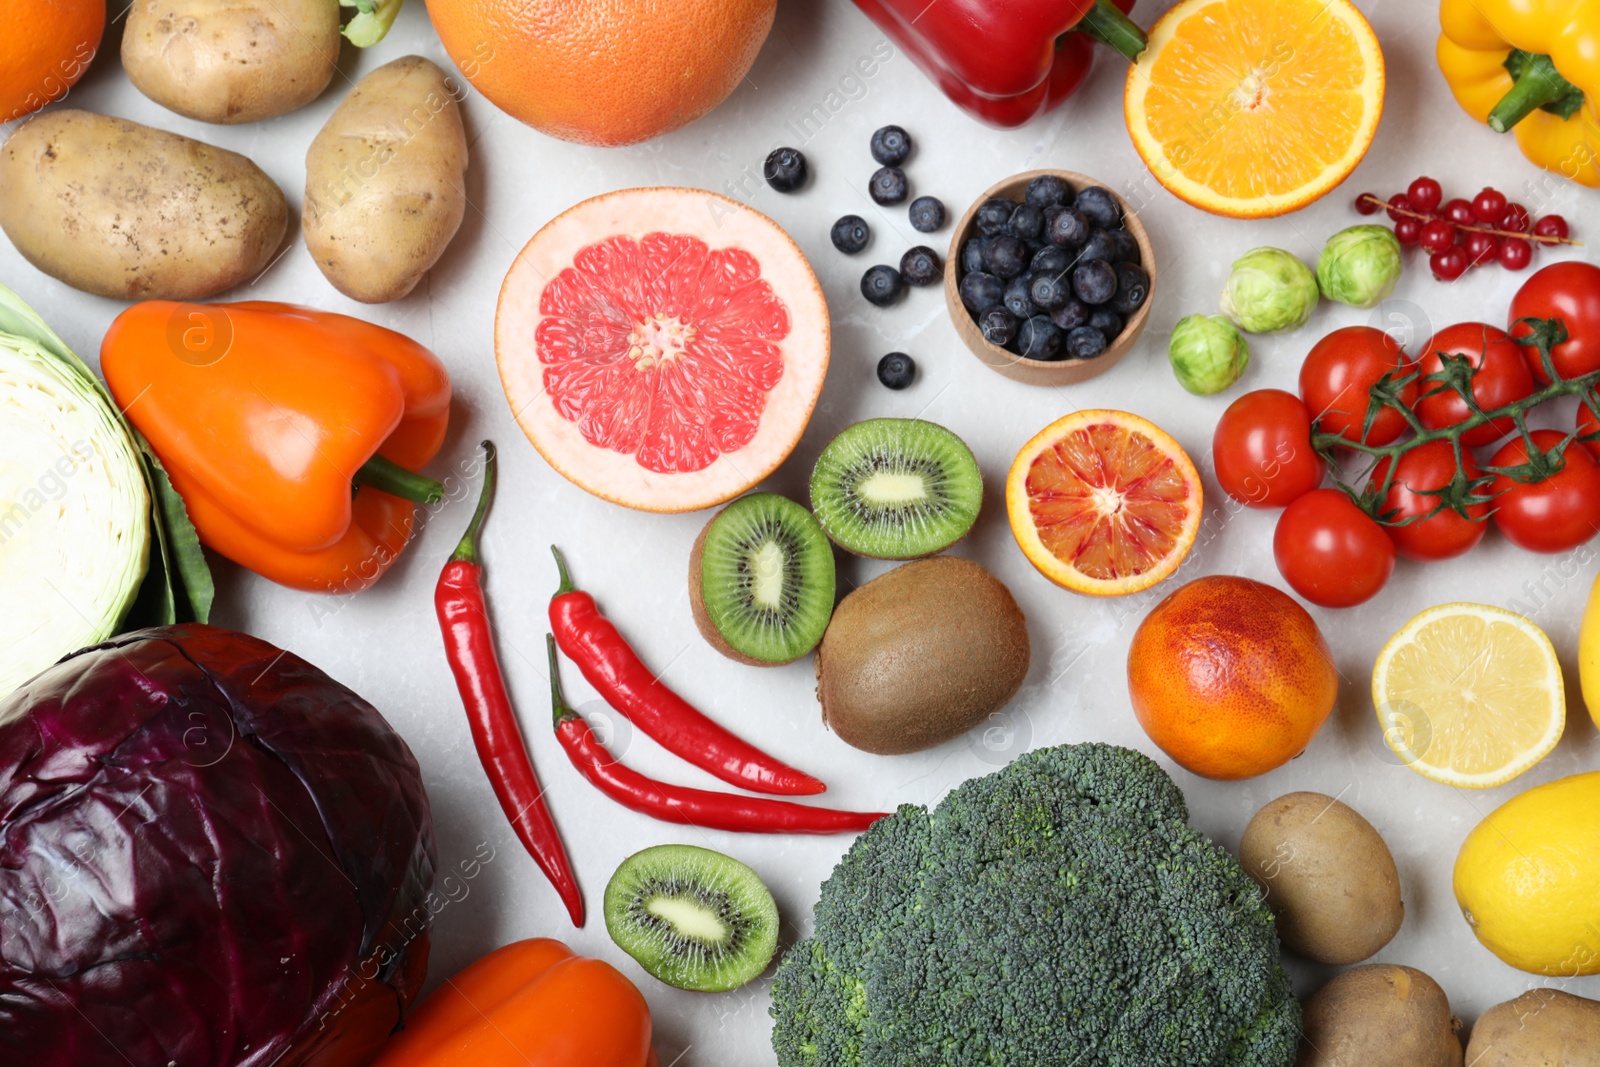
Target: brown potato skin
x=384 y=181
x=920 y=655
x=1380 y=1015
x=134 y=213
x=1328 y=877
x=1541 y=1028
x=231 y=61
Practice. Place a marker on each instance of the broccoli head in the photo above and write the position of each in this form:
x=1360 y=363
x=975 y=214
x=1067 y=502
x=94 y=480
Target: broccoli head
x=1057 y=912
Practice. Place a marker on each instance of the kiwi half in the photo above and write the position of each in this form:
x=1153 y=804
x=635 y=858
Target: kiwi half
x=694 y=918
x=896 y=488
x=761 y=581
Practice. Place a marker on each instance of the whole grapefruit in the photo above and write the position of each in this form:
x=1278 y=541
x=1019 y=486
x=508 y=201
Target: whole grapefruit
x=1231 y=677
x=45 y=46
x=603 y=72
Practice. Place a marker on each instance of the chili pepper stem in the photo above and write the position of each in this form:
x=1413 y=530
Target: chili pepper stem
x=467 y=550
x=387 y=476
x=1106 y=23
x=1539 y=84
x=558 y=701
x=566 y=579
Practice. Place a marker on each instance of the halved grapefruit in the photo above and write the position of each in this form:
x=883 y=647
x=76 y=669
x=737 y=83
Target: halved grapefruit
x=662 y=348
x=1104 y=502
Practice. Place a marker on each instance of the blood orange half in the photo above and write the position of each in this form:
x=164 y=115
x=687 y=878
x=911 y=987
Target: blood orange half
x=1104 y=502
x=662 y=348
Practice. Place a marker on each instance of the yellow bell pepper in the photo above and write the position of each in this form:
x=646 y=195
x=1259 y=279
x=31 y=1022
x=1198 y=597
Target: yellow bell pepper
x=1531 y=67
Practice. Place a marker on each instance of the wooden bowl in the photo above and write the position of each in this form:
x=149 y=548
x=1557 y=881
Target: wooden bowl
x=1039 y=371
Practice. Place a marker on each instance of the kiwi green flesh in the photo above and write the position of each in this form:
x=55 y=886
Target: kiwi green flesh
x=766 y=578
x=694 y=918
x=896 y=488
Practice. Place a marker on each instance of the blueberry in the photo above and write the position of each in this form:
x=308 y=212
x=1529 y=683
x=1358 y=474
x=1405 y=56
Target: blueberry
x=1017 y=298
x=1050 y=260
x=888 y=185
x=897 y=370
x=927 y=214
x=1099 y=207
x=785 y=169
x=1127 y=247
x=1094 y=282
x=1027 y=222
x=1106 y=321
x=882 y=285
x=1133 y=285
x=1085 y=342
x=972 y=255
x=981 y=292
x=1047 y=190
x=1099 y=246
x=994 y=214
x=1005 y=256
x=921 y=266
x=1070 y=315
x=851 y=234
x=999 y=326
x=891 y=145
x=1050 y=291
x=1039 y=338
x=1065 y=228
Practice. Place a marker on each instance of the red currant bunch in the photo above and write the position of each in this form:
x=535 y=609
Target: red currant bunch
x=1459 y=234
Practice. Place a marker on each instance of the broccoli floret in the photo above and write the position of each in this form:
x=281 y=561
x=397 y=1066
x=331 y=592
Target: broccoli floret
x=1060 y=910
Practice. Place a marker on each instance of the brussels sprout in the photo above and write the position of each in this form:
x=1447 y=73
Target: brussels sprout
x=1208 y=354
x=1360 y=266
x=1269 y=291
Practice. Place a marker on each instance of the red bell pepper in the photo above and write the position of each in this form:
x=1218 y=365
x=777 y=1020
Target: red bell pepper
x=1006 y=61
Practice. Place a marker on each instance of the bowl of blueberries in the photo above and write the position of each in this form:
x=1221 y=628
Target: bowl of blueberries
x=1049 y=278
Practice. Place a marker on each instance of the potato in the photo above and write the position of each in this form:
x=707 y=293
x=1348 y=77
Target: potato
x=1328 y=876
x=384 y=190
x=231 y=60
x=122 y=210
x=1541 y=1028
x=1380 y=1015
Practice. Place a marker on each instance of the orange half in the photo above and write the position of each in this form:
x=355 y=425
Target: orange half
x=1104 y=502
x=1253 y=108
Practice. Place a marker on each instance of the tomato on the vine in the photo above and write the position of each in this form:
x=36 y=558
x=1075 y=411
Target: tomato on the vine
x=1337 y=375
x=1330 y=551
x=1587 y=424
x=1262 y=450
x=1443 y=533
x=1502 y=378
x=1569 y=291
x=1556 y=514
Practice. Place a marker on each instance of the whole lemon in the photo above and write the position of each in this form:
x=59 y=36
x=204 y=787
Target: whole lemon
x=1528 y=878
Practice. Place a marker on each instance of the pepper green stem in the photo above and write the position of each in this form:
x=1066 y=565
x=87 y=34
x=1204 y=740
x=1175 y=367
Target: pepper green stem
x=558 y=701
x=372 y=20
x=1106 y=23
x=387 y=476
x=1538 y=84
x=467 y=550
x=566 y=579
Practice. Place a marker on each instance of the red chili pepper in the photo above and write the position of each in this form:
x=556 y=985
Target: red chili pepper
x=615 y=670
x=1006 y=61
x=681 y=804
x=469 y=645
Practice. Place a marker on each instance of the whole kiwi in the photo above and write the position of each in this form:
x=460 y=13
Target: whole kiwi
x=1380 y=1015
x=1328 y=876
x=920 y=655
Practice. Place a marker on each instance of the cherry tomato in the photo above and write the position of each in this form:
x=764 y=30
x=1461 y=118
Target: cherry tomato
x=1262 y=450
x=1569 y=291
x=1330 y=551
x=1503 y=378
x=1557 y=514
x=1587 y=424
x=1444 y=534
x=1338 y=372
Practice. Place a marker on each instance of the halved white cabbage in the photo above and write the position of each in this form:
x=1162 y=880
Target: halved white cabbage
x=74 y=505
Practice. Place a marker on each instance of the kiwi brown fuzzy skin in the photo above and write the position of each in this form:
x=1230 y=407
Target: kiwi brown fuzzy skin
x=920 y=656
x=702 y=618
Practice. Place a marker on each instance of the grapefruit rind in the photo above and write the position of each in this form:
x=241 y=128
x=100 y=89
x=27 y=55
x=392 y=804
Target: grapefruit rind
x=1062 y=573
x=719 y=222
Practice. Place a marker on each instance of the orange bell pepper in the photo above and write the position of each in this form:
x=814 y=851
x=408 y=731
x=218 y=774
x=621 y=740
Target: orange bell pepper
x=266 y=416
x=530 y=1004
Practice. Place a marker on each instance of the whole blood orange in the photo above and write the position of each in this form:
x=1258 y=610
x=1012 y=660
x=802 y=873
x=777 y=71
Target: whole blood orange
x=662 y=348
x=1230 y=677
x=45 y=46
x=603 y=72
